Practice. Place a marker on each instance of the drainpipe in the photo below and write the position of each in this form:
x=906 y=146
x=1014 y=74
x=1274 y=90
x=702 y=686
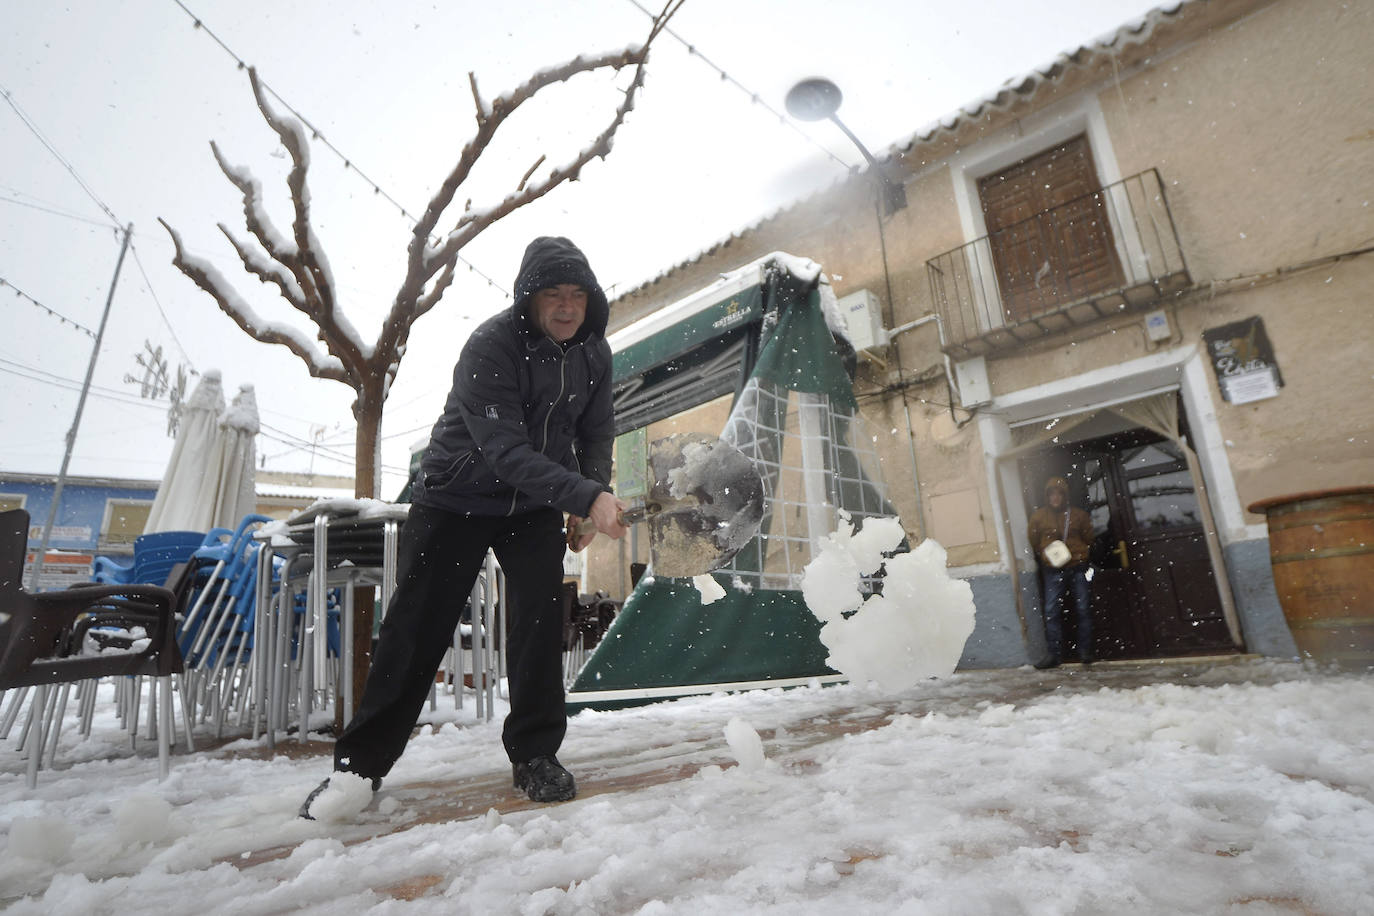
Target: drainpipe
x=940 y=328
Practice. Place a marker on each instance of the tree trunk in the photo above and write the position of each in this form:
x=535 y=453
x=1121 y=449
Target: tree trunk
x=368 y=412
x=369 y=415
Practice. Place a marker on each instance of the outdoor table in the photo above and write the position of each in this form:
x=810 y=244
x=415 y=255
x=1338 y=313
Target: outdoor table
x=340 y=543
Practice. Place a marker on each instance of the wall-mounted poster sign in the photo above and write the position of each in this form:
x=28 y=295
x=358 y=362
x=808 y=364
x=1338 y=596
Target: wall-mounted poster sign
x=1243 y=360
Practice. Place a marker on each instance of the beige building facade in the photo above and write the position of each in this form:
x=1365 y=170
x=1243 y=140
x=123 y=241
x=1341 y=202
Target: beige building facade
x=1146 y=268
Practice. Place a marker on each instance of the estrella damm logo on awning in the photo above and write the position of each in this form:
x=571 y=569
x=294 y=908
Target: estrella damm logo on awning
x=733 y=315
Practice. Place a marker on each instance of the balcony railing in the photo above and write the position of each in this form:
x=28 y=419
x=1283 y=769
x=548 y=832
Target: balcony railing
x=1101 y=254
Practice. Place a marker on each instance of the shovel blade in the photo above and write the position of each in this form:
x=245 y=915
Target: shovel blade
x=708 y=500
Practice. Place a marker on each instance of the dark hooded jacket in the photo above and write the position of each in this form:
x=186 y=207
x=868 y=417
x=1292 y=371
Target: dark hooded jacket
x=1070 y=524
x=528 y=422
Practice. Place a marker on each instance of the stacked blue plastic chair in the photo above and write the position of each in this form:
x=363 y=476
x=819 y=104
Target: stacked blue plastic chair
x=154 y=557
x=220 y=561
x=213 y=617
x=225 y=661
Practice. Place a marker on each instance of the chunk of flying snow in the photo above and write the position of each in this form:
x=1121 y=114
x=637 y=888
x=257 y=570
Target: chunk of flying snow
x=745 y=744
x=348 y=794
x=830 y=582
x=914 y=630
x=877 y=538
x=709 y=588
x=832 y=588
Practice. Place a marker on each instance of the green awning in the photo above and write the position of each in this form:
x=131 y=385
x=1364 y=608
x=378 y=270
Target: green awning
x=800 y=356
x=734 y=311
x=665 y=637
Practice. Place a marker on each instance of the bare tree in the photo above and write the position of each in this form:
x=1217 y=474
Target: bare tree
x=298 y=268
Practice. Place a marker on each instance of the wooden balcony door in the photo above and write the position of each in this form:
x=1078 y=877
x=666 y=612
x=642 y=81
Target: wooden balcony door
x=1049 y=232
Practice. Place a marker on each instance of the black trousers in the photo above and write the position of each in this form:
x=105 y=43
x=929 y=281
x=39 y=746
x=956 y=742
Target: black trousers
x=439 y=556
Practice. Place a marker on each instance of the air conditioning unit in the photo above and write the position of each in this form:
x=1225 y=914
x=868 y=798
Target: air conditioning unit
x=863 y=319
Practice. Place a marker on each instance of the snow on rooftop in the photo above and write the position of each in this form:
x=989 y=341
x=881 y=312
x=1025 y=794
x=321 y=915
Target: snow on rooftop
x=300 y=491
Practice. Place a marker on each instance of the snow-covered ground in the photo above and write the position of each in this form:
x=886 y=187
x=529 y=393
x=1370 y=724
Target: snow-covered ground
x=1241 y=787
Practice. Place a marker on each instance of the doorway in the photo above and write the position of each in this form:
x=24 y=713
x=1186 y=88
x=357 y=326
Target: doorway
x=1154 y=592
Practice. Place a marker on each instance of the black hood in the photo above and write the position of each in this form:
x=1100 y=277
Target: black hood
x=550 y=260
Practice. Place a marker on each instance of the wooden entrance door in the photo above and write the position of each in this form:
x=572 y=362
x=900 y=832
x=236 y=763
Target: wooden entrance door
x=1154 y=593
x=1048 y=230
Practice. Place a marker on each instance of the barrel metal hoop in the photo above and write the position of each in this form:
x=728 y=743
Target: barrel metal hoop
x=1283 y=524
x=1327 y=553
x=1331 y=623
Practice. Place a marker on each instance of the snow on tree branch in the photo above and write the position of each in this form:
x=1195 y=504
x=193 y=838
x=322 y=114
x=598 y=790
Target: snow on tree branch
x=254 y=215
x=335 y=330
x=208 y=278
x=268 y=272
x=426 y=258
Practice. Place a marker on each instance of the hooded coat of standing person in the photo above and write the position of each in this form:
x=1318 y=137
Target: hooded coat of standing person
x=526 y=435
x=1059 y=521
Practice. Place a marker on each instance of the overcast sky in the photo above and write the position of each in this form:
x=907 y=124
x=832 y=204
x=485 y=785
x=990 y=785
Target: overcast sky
x=128 y=96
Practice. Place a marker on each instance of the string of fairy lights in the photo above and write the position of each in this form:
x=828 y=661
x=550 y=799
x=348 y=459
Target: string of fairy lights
x=51 y=311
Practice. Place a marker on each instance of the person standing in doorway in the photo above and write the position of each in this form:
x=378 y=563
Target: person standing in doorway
x=525 y=436
x=1061 y=536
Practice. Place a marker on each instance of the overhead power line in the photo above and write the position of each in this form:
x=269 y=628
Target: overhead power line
x=160 y=310
x=55 y=212
x=35 y=374
x=317 y=135
x=298 y=444
x=33 y=129
x=301 y=445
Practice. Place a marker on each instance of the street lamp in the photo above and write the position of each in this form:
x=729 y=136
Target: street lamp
x=817 y=98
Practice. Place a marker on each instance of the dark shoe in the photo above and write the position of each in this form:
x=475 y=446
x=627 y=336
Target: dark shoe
x=1047 y=663
x=315 y=793
x=544 y=779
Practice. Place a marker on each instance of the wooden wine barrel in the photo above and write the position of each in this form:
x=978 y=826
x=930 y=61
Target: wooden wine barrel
x=1321 y=548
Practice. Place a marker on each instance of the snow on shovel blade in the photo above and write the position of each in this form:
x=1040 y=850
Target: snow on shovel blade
x=705 y=503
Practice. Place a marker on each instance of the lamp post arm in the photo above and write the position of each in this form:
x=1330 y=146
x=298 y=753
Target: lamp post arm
x=850 y=134
x=894 y=195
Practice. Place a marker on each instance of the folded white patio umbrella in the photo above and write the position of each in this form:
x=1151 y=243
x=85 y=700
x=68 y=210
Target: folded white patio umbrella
x=178 y=505
x=234 y=495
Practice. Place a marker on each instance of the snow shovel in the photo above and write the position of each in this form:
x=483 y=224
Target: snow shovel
x=704 y=503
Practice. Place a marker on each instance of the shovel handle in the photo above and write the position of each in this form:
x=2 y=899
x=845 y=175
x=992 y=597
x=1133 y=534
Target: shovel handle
x=627 y=518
